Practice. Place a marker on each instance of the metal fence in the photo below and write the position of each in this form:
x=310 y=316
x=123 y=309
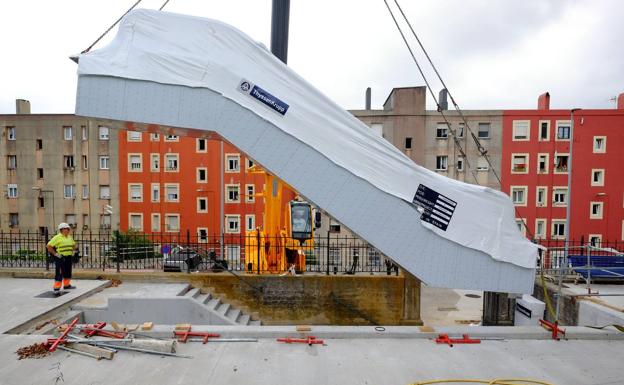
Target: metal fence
x=183 y=251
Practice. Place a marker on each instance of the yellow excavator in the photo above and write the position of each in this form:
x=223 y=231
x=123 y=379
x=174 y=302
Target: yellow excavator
x=287 y=233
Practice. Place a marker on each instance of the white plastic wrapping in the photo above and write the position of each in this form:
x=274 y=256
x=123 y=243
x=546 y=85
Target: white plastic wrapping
x=196 y=52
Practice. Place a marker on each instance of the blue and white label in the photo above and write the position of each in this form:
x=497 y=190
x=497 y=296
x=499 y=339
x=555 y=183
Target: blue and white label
x=437 y=208
x=263 y=97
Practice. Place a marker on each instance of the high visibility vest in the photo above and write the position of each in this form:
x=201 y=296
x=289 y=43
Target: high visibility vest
x=64 y=244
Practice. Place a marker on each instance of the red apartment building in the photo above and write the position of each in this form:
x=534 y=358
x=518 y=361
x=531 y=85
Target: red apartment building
x=171 y=184
x=535 y=169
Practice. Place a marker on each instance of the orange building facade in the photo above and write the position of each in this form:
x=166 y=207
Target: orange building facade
x=178 y=185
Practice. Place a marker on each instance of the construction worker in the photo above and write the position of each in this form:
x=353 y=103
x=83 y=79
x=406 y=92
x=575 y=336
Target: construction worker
x=62 y=247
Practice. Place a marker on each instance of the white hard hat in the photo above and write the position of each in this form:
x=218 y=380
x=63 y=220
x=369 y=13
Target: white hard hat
x=63 y=225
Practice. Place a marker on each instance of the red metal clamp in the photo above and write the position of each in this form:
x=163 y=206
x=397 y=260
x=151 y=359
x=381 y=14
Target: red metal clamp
x=61 y=339
x=183 y=336
x=554 y=329
x=311 y=340
x=445 y=339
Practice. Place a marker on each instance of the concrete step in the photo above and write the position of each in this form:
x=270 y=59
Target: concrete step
x=213 y=304
x=244 y=319
x=255 y=323
x=193 y=293
x=201 y=297
x=223 y=309
x=234 y=314
x=207 y=299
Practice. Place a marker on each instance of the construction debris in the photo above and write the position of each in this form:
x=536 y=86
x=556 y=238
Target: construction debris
x=183 y=327
x=445 y=339
x=115 y=282
x=183 y=336
x=304 y=328
x=147 y=326
x=33 y=351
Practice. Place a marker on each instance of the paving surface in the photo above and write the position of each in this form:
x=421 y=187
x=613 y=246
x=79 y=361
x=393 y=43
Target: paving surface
x=19 y=305
x=132 y=289
x=442 y=307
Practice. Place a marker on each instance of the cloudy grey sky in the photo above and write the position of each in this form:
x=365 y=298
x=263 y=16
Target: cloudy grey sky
x=491 y=53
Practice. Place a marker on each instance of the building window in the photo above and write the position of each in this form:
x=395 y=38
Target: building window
x=85 y=221
x=600 y=144
x=232 y=224
x=135 y=162
x=541 y=196
x=68 y=162
x=250 y=163
x=85 y=191
x=134 y=136
x=233 y=254
x=10 y=133
x=69 y=191
x=172 y=222
x=105 y=221
x=104 y=162
x=561 y=163
x=171 y=162
x=201 y=145
x=135 y=221
x=135 y=192
x=563 y=130
x=250 y=222
x=13 y=219
x=519 y=163
x=232 y=162
x=85 y=162
x=155 y=222
x=519 y=195
x=67 y=133
x=104 y=192
x=104 y=132
x=544 y=130
x=202 y=175
x=12 y=162
x=542 y=163
x=40 y=173
x=250 y=193
x=202 y=234
x=521 y=226
x=558 y=228
x=482 y=163
x=597 y=177
x=171 y=138
x=85 y=132
x=155 y=192
x=460 y=130
x=560 y=196
x=460 y=163
x=441 y=131
x=377 y=128
x=154 y=162
x=154 y=137
x=540 y=228
x=70 y=219
x=408 y=143
x=12 y=191
x=172 y=192
x=231 y=193
x=484 y=131
x=521 y=130
x=39 y=145
x=202 y=205
x=595 y=240
x=334 y=227
x=595 y=210
x=441 y=162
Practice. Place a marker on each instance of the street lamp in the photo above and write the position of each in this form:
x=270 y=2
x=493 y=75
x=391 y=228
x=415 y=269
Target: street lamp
x=41 y=191
x=568 y=208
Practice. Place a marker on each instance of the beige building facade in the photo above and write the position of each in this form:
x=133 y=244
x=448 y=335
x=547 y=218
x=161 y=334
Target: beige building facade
x=57 y=168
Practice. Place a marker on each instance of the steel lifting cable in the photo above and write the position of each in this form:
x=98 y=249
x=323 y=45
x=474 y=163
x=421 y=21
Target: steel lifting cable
x=448 y=124
x=111 y=27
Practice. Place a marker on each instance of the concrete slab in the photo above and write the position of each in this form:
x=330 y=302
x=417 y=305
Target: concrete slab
x=19 y=305
x=341 y=361
x=446 y=307
x=132 y=290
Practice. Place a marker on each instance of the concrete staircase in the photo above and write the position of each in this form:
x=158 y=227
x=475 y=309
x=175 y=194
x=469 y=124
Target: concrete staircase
x=223 y=309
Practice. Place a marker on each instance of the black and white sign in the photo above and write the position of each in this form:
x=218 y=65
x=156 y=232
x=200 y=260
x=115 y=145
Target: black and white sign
x=438 y=209
x=263 y=97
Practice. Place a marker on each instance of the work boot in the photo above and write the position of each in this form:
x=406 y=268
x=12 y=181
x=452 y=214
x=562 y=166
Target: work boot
x=57 y=292
x=70 y=287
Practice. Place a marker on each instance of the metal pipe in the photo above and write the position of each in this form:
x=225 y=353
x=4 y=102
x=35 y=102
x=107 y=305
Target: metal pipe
x=122 y=347
x=78 y=352
x=280 y=11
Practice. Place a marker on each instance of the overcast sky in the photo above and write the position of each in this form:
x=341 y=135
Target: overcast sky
x=492 y=54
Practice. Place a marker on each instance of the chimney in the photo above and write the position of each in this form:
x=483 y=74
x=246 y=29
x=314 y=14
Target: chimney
x=620 y=101
x=22 y=107
x=543 y=102
x=368 y=98
x=442 y=100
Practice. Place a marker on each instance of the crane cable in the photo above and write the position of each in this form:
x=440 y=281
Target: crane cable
x=117 y=22
x=448 y=124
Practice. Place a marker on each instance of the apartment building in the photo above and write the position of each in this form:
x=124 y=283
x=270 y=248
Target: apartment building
x=541 y=145
x=171 y=184
x=48 y=175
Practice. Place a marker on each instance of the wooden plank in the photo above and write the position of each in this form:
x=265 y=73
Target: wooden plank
x=102 y=353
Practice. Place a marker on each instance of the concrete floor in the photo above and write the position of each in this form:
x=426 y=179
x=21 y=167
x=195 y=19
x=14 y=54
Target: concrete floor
x=446 y=307
x=355 y=355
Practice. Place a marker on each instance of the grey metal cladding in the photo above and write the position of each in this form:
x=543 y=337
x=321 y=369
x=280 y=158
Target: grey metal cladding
x=388 y=223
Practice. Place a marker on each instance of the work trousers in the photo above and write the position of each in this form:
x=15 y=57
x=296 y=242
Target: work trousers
x=62 y=272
